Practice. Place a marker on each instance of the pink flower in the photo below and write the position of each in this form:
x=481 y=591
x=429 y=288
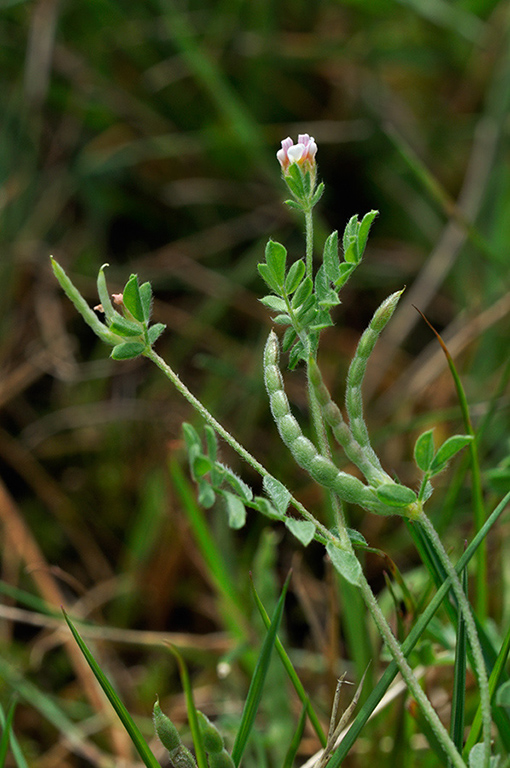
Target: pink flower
x=302 y=153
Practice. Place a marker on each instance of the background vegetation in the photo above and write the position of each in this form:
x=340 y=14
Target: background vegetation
x=143 y=134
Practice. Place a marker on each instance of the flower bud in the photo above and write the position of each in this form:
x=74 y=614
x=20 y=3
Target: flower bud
x=302 y=153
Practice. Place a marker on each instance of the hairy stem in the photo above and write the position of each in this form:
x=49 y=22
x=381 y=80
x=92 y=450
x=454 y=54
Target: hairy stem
x=479 y=664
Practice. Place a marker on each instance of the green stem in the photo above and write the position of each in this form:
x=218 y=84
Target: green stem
x=309 y=243
x=240 y=449
x=408 y=675
x=465 y=608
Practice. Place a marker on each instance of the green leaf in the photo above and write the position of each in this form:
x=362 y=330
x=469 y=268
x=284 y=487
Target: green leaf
x=274 y=302
x=129 y=724
x=350 y=231
x=289 y=337
x=424 y=450
x=447 y=451
x=104 y=295
x=201 y=466
x=326 y=296
x=294 y=276
x=364 y=229
x=206 y=495
x=269 y=278
x=235 y=509
x=351 y=252
x=277 y=492
x=345 y=562
x=303 y=293
x=257 y=682
x=263 y=505
x=356 y=538
x=191 y=437
x=503 y=695
x=276 y=256
x=123 y=327
x=235 y=482
x=330 y=258
x=282 y=320
x=127 y=350
x=476 y=758
x=395 y=495
x=317 y=194
x=296 y=354
x=155 y=332
x=132 y=300
x=346 y=271
x=303 y=530
x=146 y=299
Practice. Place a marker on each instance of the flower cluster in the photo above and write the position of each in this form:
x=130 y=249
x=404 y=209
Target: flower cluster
x=303 y=153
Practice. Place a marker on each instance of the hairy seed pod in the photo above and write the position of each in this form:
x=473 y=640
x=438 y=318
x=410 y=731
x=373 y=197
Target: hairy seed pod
x=179 y=755
x=211 y=737
x=320 y=468
x=221 y=760
x=279 y=404
x=165 y=729
x=289 y=427
x=353 y=398
x=368 y=464
x=303 y=450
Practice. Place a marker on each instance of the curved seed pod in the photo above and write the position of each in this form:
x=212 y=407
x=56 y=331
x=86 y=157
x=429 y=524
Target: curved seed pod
x=179 y=755
x=353 y=399
x=372 y=470
x=319 y=467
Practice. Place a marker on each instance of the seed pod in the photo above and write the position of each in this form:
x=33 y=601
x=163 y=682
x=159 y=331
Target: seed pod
x=179 y=755
x=353 y=399
x=165 y=729
x=369 y=465
x=221 y=760
x=211 y=737
x=320 y=468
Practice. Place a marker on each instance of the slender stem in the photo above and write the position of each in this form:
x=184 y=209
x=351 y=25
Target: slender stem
x=407 y=673
x=479 y=664
x=240 y=449
x=309 y=243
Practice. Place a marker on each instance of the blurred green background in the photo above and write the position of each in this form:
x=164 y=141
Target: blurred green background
x=144 y=134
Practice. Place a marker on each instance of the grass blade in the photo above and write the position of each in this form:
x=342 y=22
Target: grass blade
x=257 y=682
x=129 y=724
x=291 y=672
x=191 y=709
x=6 y=731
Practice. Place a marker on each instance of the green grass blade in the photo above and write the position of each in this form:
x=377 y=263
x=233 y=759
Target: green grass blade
x=291 y=672
x=129 y=724
x=257 y=681
x=296 y=739
x=409 y=643
x=459 y=678
x=6 y=721
x=191 y=709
